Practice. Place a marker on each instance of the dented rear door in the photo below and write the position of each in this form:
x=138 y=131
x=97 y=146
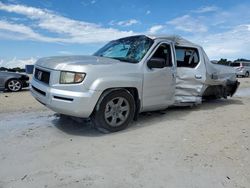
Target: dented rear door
x=191 y=74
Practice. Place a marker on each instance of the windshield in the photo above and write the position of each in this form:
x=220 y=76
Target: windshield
x=129 y=49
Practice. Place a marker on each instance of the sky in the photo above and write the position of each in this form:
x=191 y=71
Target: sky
x=31 y=29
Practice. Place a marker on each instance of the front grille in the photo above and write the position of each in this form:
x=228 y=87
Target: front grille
x=42 y=75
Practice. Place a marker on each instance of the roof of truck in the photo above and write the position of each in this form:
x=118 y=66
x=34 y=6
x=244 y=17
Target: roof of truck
x=174 y=38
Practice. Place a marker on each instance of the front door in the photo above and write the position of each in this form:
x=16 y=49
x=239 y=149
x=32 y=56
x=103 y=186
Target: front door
x=159 y=83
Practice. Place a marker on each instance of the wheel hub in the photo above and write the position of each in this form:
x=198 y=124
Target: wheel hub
x=116 y=111
x=14 y=85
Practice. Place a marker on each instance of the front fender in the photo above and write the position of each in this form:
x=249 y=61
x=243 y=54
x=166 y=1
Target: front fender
x=102 y=84
x=10 y=78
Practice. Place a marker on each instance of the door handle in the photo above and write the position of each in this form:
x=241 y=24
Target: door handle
x=197 y=76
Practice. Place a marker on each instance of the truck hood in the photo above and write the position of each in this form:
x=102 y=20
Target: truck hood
x=63 y=62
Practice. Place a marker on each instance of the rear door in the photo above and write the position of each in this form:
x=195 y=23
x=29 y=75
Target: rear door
x=191 y=74
x=159 y=83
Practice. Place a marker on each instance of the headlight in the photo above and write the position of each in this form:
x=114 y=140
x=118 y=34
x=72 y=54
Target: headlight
x=71 y=77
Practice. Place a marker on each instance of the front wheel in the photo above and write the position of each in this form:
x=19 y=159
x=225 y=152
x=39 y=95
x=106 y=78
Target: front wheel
x=14 y=85
x=115 y=111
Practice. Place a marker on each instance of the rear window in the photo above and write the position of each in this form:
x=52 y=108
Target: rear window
x=187 y=57
x=235 y=65
x=246 y=64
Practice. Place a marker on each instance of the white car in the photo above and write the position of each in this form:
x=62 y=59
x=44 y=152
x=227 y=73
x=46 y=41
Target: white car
x=242 y=68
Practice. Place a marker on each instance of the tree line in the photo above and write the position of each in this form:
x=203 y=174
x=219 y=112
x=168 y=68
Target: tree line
x=16 y=69
x=226 y=62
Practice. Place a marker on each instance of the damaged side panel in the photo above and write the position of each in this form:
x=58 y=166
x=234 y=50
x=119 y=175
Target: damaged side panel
x=191 y=75
x=198 y=79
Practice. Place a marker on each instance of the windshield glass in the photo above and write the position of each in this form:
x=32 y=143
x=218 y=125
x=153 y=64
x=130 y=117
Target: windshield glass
x=129 y=49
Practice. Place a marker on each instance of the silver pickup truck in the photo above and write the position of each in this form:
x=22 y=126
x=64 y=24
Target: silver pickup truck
x=128 y=76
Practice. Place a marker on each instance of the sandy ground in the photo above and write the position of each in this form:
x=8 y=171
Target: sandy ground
x=205 y=146
x=19 y=102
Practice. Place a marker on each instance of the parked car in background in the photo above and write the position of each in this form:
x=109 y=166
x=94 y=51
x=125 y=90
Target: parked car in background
x=128 y=76
x=242 y=68
x=13 y=81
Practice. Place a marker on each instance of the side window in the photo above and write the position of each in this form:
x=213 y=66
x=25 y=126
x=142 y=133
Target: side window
x=187 y=57
x=164 y=52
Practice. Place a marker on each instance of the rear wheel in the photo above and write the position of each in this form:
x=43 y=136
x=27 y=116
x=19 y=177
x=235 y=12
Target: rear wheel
x=14 y=85
x=115 y=112
x=247 y=74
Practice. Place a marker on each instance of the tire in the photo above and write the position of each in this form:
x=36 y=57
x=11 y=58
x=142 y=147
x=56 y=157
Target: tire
x=247 y=74
x=115 y=112
x=14 y=85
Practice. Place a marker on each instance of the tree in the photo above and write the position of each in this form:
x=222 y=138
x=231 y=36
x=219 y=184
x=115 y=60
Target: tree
x=3 y=69
x=16 y=69
x=242 y=59
x=224 y=62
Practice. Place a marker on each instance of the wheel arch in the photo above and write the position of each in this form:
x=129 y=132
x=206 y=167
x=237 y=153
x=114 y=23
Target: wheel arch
x=12 y=78
x=131 y=90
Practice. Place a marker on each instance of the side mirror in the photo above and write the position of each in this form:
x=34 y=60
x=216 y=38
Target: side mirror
x=156 y=62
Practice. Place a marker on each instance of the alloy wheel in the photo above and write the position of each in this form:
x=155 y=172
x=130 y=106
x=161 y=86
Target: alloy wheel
x=14 y=85
x=116 y=111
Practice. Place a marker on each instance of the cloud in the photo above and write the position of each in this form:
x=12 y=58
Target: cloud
x=124 y=23
x=223 y=33
x=15 y=62
x=234 y=16
x=231 y=44
x=154 y=29
x=66 y=29
x=148 y=12
x=188 y=24
x=65 y=52
x=206 y=9
x=88 y=2
x=21 y=32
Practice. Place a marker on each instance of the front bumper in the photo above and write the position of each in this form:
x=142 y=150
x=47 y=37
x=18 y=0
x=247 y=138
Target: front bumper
x=72 y=103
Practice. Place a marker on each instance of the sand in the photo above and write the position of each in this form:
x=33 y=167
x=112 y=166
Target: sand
x=204 y=146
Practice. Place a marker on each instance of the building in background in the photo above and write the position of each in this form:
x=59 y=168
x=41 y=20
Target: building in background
x=29 y=69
